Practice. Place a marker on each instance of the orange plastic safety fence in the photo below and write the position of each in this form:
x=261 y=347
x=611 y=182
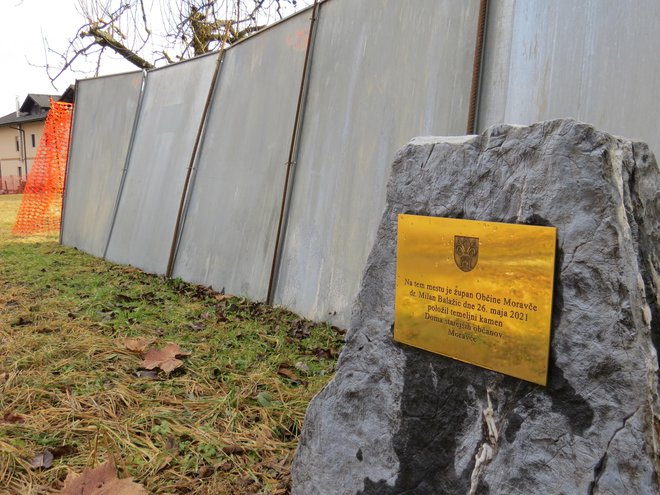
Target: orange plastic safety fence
x=41 y=207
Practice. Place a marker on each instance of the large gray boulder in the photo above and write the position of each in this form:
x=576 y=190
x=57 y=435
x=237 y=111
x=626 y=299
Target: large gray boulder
x=397 y=420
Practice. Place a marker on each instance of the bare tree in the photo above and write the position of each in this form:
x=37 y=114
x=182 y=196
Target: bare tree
x=148 y=33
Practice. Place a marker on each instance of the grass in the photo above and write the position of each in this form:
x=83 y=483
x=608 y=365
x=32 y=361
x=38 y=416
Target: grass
x=227 y=422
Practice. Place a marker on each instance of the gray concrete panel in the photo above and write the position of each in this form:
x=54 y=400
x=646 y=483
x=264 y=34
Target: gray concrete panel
x=383 y=71
x=169 y=118
x=228 y=237
x=104 y=114
x=594 y=61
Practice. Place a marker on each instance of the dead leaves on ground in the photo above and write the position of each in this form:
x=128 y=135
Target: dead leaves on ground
x=101 y=480
x=136 y=344
x=11 y=418
x=287 y=372
x=301 y=329
x=45 y=459
x=234 y=450
x=233 y=408
x=164 y=359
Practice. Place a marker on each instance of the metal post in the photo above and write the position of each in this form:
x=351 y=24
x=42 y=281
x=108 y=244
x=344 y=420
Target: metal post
x=476 y=68
x=68 y=162
x=129 y=151
x=293 y=151
x=181 y=214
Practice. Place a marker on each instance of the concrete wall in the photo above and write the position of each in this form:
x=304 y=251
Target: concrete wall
x=228 y=238
x=382 y=71
x=104 y=107
x=169 y=118
x=595 y=61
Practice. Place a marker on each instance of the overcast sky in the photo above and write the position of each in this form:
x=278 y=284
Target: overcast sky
x=23 y=26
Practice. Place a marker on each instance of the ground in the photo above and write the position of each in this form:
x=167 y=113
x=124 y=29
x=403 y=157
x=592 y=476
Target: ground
x=225 y=422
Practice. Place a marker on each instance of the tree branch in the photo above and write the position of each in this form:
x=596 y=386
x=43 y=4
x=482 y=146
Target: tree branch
x=181 y=29
x=106 y=40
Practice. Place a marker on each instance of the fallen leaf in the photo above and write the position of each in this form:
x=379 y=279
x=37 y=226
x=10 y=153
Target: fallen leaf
x=340 y=331
x=43 y=460
x=153 y=298
x=21 y=322
x=124 y=298
x=205 y=471
x=101 y=480
x=179 y=352
x=301 y=329
x=224 y=466
x=136 y=344
x=234 y=449
x=12 y=418
x=170 y=443
x=164 y=358
x=198 y=325
x=245 y=481
x=45 y=330
x=285 y=371
x=323 y=353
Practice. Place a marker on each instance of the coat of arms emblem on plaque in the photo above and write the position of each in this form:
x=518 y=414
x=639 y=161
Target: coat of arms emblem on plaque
x=466 y=252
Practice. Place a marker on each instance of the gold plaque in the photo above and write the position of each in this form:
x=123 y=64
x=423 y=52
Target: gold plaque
x=479 y=292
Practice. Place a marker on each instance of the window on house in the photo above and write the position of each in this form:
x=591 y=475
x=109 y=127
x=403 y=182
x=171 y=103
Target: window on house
x=20 y=172
x=34 y=142
x=18 y=148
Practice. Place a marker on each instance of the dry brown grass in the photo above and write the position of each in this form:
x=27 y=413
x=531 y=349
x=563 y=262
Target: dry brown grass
x=227 y=422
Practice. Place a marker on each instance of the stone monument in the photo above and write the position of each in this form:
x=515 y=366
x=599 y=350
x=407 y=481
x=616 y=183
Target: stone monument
x=398 y=420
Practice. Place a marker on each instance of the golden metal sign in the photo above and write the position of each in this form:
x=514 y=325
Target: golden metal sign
x=478 y=292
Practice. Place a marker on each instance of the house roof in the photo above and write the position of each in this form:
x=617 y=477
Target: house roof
x=34 y=108
x=11 y=118
x=36 y=100
x=69 y=94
